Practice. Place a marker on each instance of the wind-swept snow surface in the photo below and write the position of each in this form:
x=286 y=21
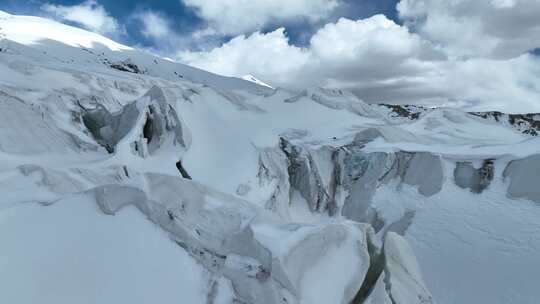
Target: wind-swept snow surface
x=257 y=81
x=125 y=177
x=70 y=252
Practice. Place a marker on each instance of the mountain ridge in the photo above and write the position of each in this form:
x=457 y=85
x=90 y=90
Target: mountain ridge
x=263 y=194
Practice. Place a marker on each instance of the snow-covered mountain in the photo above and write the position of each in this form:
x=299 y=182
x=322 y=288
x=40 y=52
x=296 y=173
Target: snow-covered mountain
x=257 y=81
x=128 y=178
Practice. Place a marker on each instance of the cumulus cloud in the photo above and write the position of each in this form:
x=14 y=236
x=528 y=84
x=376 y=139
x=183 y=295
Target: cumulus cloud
x=269 y=55
x=89 y=14
x=349 y=54
x=155 y=26
x=511 y=85
x=499 y=29
x=164 y=37
x=469 y=53
x=240 y=16
x=380 y=61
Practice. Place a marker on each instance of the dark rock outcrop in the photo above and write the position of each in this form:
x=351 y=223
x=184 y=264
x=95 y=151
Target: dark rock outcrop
x=127 y=66
x=182 y=170
x=526 y=123
x=411 y=112
x=466 y=176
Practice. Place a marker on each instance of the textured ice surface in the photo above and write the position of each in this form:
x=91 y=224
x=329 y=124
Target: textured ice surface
x=125 y=177
x=70 y=252
x=523 y=175
x=402 y=274
x=466 y=176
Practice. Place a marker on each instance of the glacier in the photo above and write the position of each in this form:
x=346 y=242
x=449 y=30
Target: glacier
x=126 y=177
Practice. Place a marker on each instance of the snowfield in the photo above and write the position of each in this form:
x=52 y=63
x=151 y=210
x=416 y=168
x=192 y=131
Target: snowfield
x=70 y=252
x=129 y=178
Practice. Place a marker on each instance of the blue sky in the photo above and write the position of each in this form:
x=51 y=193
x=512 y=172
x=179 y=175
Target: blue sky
x=430 y=52
x=184 y=20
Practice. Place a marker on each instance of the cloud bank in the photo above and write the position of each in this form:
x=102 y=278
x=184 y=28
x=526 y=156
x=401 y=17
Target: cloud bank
x=463 y=53
x=88 y=14
x=467 y=53
x=492 y=28
x=240 y=16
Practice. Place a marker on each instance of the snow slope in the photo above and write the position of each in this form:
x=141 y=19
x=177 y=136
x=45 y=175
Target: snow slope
x=131 y=178
x=71 y=253
x=257 y=81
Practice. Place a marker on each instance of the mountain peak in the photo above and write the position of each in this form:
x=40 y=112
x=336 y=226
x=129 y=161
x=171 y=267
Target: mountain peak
x=29 y=30
x=260 y=195
x=76 y=47
x=254 y=79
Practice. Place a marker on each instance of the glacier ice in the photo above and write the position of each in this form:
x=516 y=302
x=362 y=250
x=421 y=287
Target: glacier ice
x=523 y=178
x=244 y=193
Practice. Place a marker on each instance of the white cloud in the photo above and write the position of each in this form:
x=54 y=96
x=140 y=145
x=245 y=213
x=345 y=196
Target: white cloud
x=511 y=85
x=269 y=54
x=381 y=62
x=88 y=14
x=347 y=51
x=499 y=29
x=155 y=26
x=503 y=3
x=377 y=34
x=165 y=38
x=240 y=16
x=459 y=52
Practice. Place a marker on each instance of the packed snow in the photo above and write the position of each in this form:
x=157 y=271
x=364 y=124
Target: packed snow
x=127 y=177
x=70 y=252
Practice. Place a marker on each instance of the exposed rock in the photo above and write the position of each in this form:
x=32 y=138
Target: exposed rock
x=182 y=170
x=466 y=176
x=378 y=295
x=127 y=66
x=370 y=285
x=411 y=112
x=526 y=123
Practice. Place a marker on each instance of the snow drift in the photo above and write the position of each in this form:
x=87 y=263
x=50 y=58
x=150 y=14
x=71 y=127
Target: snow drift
x=162 y=182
